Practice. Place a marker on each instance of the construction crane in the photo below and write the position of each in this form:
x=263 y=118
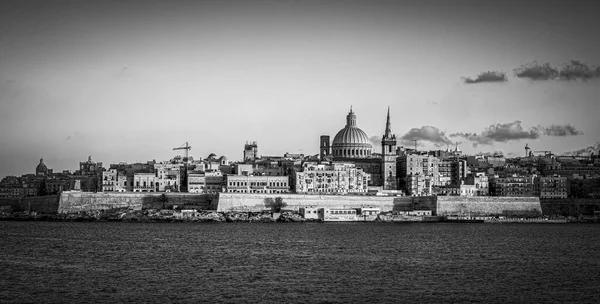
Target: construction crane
x=185 y=147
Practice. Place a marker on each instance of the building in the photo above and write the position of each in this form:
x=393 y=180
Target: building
x=351 y=141
x=513 y=186
x=144 y=182
x=418 y=173
x=352 y=145
x=388 y=152
x=250 y=152
x=552 y=187
x=335 y=178
x=205 y=182
x=90 y=167
x=41 y=169
x=481 y=183
x=256 y=184
x=169 y=177
x=325 y=148
x=113 y=181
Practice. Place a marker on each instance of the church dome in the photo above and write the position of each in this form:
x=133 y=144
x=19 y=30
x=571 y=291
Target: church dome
x=351 y=141
x=41 y=168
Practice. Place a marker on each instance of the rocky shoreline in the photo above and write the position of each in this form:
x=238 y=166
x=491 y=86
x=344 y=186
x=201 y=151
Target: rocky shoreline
x=154 y=215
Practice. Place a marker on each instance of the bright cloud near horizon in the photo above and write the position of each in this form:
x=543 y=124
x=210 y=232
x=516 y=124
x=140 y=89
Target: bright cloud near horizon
x=130 y=80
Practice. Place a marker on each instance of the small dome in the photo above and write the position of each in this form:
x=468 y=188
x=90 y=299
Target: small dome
x=212 y=156
x=223 y=158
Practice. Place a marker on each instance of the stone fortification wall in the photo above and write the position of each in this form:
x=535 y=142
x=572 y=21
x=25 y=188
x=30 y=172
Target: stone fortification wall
x=241 y=202
x=40 y=204
x=571 y=206
x=71 y=202
x=410 y=203
x=488 y=206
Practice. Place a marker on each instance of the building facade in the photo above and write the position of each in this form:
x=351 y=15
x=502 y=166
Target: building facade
x=335 y=178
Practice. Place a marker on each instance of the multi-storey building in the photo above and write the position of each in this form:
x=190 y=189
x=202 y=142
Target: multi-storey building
x=552 y=187
x=417 y=173
x=481 y=183
x=144 y=182
x=169 y=177
x=335 y=178
x=205 y=182
x=513 y=186
x=256 y=184
x=114 y=180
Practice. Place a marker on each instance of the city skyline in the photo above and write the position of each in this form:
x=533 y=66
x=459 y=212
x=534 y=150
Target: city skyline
x=130 y=81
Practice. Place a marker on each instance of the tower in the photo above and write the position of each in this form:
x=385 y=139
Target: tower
x=325 y=147
x=388 y=149
x=250 y=152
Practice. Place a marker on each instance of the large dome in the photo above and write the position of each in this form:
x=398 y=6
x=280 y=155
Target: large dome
x=351 y=141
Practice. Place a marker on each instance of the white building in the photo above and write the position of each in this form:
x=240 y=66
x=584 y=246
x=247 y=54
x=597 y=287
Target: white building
x=337 y=178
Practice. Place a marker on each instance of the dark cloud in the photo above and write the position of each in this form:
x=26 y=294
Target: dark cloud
x=489 y=76
x=513 y=131
x=571 y=70
x=495 y=153
x=586 y=151
x=500 y=133
x=536 y=71
x=575 y=69
x=425 y=133
x=558 y=130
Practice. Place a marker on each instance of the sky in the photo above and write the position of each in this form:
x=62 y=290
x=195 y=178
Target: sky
x=131 y=80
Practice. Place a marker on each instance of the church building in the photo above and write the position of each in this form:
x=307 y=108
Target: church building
x=352 y=145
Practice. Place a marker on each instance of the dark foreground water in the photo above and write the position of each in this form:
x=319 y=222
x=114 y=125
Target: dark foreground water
x=310 y=263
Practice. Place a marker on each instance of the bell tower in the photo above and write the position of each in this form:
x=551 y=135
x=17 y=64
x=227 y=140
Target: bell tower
x=325 y=147
x=388 y=152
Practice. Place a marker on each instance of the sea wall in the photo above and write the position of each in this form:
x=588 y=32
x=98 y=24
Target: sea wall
x=488 y=206
x=242 y=202
x=571 y=206
x=41 y=204
x=72 y=201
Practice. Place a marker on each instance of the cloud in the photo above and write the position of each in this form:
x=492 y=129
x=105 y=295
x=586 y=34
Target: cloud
x=571 y=70
x=426 y=133
x=561 y=130
x=489 y=76
x=575 y=69
x=536 y=71
x=375 y=141
x=495 y=153
x=513 y=131
x=500 y=133
x=586 y=151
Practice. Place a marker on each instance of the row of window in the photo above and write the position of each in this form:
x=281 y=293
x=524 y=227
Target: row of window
x=350 y=152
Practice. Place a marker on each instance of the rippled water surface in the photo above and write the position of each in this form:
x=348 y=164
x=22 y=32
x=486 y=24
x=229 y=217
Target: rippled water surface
x=309 y=263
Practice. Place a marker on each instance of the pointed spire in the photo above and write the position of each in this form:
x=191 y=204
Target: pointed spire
x=351 y=110
x=388 y=125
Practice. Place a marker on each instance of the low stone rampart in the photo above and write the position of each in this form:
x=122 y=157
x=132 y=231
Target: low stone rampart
x=488 y=206
x=73 y=201
x=242 y=202
x=41 y=204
